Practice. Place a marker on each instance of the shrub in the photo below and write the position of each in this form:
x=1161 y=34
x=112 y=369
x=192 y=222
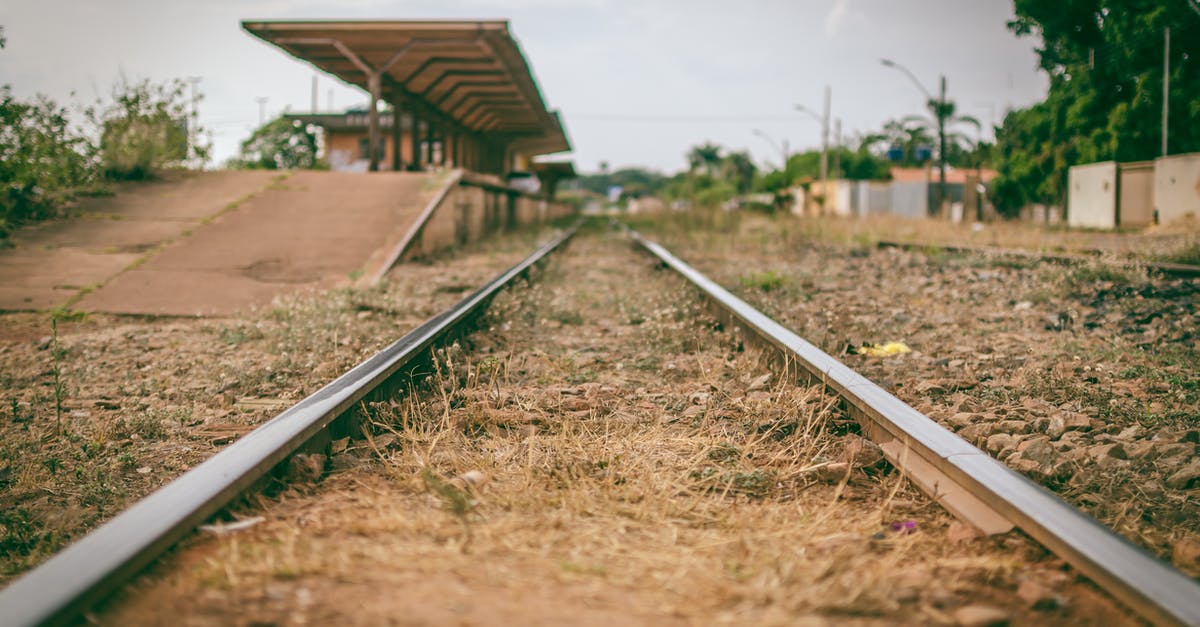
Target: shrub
x=144 y=128
x=42 y=159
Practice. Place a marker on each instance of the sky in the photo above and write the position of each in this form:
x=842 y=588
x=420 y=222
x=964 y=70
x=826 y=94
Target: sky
x=637 y=82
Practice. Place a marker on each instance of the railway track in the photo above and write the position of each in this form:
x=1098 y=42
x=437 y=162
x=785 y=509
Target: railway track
x=956 y=475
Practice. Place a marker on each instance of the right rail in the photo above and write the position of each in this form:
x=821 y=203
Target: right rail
x=965 y=480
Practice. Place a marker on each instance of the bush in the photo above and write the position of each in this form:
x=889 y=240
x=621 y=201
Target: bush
x=280 y=144
x=144 y=128
x=42 y=159
x=46 y=159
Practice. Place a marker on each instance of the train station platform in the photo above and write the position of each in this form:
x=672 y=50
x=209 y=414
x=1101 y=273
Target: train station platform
x=212 y=243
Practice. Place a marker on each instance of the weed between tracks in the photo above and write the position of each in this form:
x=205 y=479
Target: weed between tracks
x=101 y=410
x=515 y=489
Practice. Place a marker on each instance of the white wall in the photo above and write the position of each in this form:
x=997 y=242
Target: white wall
x=1092 y=195
x=910 y=199
x=1177 y=186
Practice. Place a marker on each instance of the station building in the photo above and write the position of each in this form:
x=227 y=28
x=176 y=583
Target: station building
x=452 y=93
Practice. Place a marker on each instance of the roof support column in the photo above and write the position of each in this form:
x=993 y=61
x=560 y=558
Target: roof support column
x=397 y=160
x=375 y=86
x=414 y=141
x=429 y=140
x=443 y=136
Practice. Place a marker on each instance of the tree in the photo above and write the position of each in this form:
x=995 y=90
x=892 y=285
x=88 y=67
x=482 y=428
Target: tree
x=280 y=144
x=704 y=158
x=739 y=169
x=1104 y=59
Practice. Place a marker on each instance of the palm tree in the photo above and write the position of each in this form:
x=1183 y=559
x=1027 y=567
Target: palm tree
x=738 y=168
x=705 y=157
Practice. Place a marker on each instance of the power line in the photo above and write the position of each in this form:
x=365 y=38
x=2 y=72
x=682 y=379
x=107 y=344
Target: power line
x=683 y=119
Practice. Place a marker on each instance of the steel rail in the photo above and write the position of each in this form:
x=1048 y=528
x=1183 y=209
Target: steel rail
x=915 y=443
x=73 y=580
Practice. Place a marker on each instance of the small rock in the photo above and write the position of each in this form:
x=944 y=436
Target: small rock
x=961 y=419
x=976 y=432
x=1185 y=477
x=345 y=461
x=1074 y=421
x=1039 y=597
x=1055 y=426
x=473 y=478
x=862 y=453
x=575 y=404
x=1130 y=433
x=832 y=472
x=44 y=342
x=1186 y=556
x=759 y=383
x=1172 y=449
x=305 y=468
x=980 y=616
x=144 y=470
x=998 y=442
x=1138 y=450
x=1015 y=427
x=384 y=440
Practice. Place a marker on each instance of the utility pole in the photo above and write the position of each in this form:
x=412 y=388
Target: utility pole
x=837 y=148
x=262 y=110
x=1166 y=86
x=941 y=120
x=315 y=104
x=825 y=153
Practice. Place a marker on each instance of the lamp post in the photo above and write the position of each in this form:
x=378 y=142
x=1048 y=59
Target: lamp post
x=783 y=151
x=940 y=110
x=824 y=120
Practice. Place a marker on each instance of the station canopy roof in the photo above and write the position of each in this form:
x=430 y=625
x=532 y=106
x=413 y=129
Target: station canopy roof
x=472 y=72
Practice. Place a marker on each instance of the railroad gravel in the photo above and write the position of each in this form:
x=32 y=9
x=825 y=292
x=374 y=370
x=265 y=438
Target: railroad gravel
x=1085 y=379
x=601 y=452
x=143 y=399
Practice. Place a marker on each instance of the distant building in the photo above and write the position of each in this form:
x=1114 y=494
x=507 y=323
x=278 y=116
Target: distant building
x=1110 y=195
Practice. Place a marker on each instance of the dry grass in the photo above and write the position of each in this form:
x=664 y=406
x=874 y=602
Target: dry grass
x=144 y=399
x=594 y=455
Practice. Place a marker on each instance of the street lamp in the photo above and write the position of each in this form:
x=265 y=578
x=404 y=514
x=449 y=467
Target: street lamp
x=824 y=120
x=940 y=111
x=783 y=152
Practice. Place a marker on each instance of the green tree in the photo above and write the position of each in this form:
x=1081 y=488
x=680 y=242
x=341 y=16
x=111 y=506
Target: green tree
x=704 y=158
x=738 y=169
x=1104 y=59
x=280 y=144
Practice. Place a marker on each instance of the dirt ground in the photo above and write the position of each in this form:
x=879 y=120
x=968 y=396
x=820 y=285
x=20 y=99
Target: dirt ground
x=1086 y=379
x=1178 y=241
x=115 y=406
x=598 y=453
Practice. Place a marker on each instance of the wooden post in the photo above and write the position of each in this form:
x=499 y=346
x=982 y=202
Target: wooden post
x=397 y=160
x=429 y=140
x=414 y=140
x=375 y=85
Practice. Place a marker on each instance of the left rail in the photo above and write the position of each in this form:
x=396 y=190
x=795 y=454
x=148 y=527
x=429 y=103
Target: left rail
x=69 y=583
